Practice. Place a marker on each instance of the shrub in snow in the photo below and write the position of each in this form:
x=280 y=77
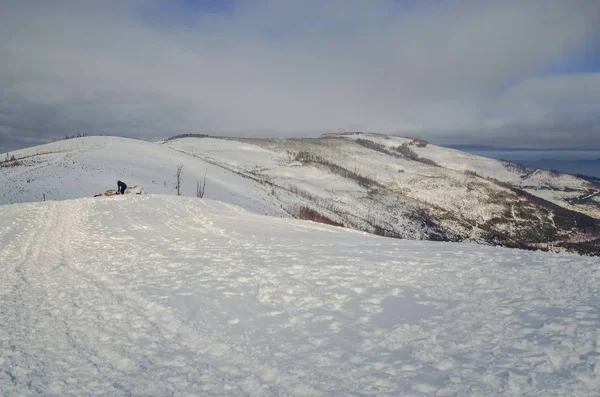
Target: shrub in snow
x=303 y=212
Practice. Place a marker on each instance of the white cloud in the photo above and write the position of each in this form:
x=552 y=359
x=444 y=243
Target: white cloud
x=148 y=68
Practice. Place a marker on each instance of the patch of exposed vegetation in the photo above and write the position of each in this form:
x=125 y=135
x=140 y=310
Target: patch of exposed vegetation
x=472 y=173
x=541 y=224
x=426 y=221
x=403 y=151
x=181 y=136
x=10 y=161
x=517 y=167
x=310 y=158
x=418 y=142
x=75 y=136
x=590 y=248
x=406 y=151
x=563 y=218
x=373 y=146
x=586 y=199
x=306 y=213
x=350 y=133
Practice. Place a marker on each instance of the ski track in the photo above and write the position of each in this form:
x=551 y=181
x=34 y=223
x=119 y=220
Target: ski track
x=158 y=295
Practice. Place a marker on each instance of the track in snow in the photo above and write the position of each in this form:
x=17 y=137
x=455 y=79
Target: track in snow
x=162 y=296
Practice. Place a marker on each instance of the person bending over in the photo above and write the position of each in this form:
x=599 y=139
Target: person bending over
x=121 y=186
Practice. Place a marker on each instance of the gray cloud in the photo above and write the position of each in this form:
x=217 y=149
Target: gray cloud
x=449 y=69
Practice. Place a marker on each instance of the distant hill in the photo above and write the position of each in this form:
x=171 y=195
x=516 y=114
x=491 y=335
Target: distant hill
x=391 y=186
x=577 y=167
x=468 y=147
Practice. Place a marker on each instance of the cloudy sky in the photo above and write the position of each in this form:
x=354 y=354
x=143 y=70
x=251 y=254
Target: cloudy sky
x=506 y=73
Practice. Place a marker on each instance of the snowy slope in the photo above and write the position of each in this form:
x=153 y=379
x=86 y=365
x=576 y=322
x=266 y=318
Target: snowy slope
x=360 y=181
x=342 y=199
x=561 y=189
x=498 y=169
x=83 y=167
x=404 y=196
x=418 y=183
x=164 y=295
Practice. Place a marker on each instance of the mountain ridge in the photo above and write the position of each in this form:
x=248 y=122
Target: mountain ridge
x=392 y=186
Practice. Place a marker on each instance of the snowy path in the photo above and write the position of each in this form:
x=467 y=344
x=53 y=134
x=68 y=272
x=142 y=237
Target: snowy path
x=160 y=295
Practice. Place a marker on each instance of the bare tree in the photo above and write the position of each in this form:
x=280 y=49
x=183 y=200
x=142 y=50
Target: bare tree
x=178 y=179
x=201 y=188
x=290 y=156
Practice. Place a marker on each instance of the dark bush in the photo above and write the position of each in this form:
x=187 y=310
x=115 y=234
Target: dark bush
x=406 y=152
x=303 y=212
x=180 y=136
x=309 y=158
x=418 y=142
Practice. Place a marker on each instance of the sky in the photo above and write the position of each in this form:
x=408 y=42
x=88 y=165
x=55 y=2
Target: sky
x=512 y=73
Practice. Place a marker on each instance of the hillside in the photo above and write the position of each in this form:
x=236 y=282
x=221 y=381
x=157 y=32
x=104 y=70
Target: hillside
x=402 y=187
x=396 y=187
x=83 y=167
x=163 y=295
x=584 y=167
x=565 y=190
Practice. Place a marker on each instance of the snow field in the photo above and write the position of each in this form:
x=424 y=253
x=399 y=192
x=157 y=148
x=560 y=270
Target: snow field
x=83 y=167
x=164 y=295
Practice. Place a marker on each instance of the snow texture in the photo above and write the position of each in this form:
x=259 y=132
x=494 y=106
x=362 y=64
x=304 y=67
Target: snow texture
x=163 y=295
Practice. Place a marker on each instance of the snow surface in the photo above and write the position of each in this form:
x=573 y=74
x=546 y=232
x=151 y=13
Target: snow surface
x=163 y=295
x=83 y=167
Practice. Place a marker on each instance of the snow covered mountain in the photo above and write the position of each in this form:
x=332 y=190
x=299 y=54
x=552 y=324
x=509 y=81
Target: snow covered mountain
x=83 y=167
x=156 y=295
x=392 y=186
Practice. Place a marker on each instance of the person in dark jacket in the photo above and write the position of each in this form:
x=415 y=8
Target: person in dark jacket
x=121 y=186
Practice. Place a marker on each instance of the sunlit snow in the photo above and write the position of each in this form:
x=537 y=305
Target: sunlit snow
x=163 y=295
